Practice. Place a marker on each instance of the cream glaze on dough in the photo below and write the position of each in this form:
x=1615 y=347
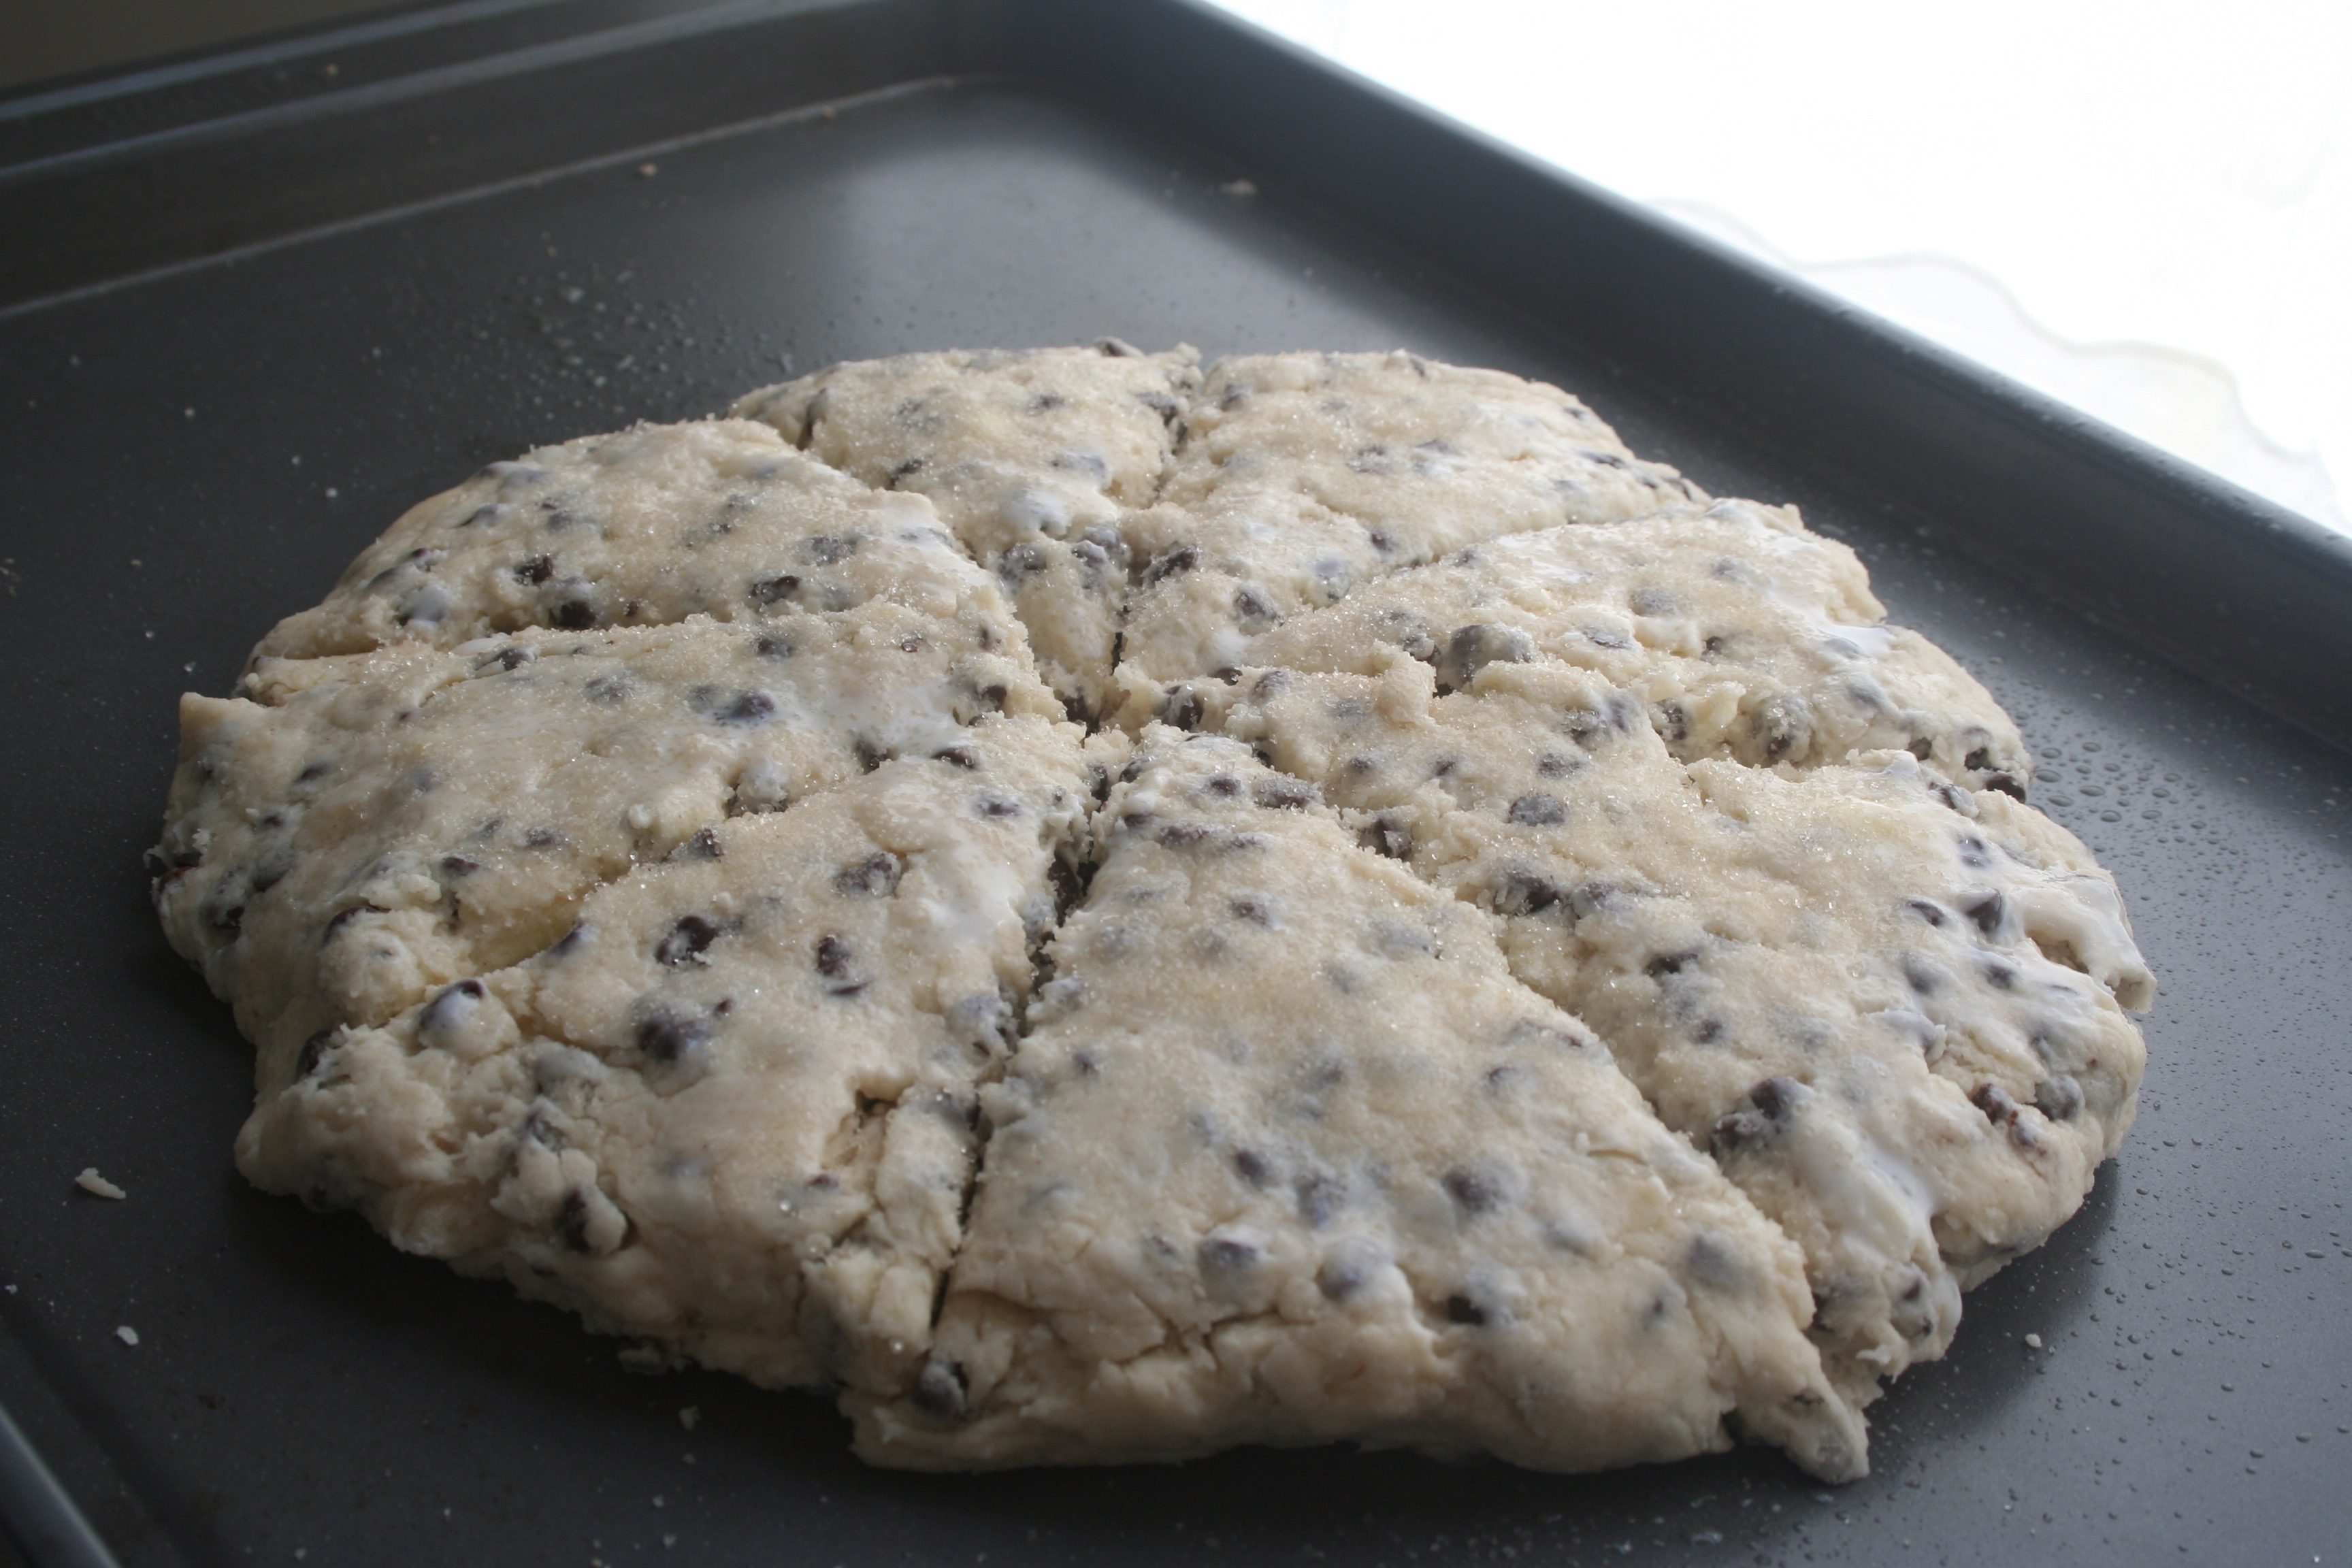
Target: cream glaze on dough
x=1589 y=987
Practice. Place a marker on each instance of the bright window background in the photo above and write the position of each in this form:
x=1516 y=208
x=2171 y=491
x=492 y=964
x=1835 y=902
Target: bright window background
x=2143 y=209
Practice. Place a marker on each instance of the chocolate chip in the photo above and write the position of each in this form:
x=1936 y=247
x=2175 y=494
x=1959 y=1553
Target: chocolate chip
x=1995 y=1102
x=828 y=549
x=313 y=1051
x=1783 y=728
x=1921 y=747
x=1251 y=1166
x=745 y=708
x=703 y=845
x=1771 y=1106
x=1171 y=564
x=773 y=591
x=962 y=757
x=1978 y=760
x=459 y=866
x=1933 y=913
x=1287 y=795
x=1987 y=913
x=1972 y=851
x=571 y=1221
x=1181 y=707
x=1473 y=648
x=2059 y=1097
x=575 y=610
x=1463 y=1309
x=1666 y=964
x=1710 y=1261
x=2004 y=784
x=668 y=1037
x=1253 y=910
x=832 y=957
x=1252 y=613
x=1021 y=563
x=1473 y=1192
x=1388 y=836
x=1538 y=811
x=941 y=1390
x=536 y=569
x=1320 y=1197
x=1226 y=1257
x=871 y=877
x=448 y=1009
x=1525 y=893
x=572 y=941
x=1921 y=975
x=686 y=940
x=905 y=470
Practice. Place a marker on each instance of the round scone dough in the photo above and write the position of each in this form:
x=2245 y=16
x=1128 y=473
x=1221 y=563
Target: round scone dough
x=1103 y=908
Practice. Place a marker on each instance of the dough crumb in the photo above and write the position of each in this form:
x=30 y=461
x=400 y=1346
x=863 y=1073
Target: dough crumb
x=91 y=1182
x=2034 y=1342
x=690 y=1416
x=126 y=1335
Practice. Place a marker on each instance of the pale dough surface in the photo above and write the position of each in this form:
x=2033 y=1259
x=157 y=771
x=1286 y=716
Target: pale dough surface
x=1105 y=908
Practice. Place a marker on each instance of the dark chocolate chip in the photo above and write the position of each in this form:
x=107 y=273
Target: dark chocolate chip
x=1463 y=1309
x=1525 y=893
x=1986 y=912
x=1995 y=1102
x=1252 y=614
x=1771 y=1106
x=774 y=591
x=1473 y=648
x=1320 y=1197
x=1538 y=811
x=2059 y=1097
x=459 y=866
x=685 y=941
x=1251 y=1166
x=1388 y=835
x=957 y=756
x=313 y=1051
x=871 y=877
x=536 y=569
x=571 y=1221
x=941 y=1390
x=1783 y=726
x=2005 y=784
x=1287 y=795
x=1473 y=1192
x=1932 y=912
x=1181 y=707
x=1666 y=964
x=668 y=1037
x=1171 y=564
x=832 y=957
x=1228 y=1256
x=1978 y=760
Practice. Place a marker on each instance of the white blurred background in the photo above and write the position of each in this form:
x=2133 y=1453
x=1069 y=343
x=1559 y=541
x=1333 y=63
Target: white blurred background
x=2144 y=209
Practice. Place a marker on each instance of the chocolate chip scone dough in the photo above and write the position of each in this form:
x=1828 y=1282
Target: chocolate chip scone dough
x=1302 y=477
x=1743 y=634
x=1287 y=1157
x=359 y=831
x=643 y=527
x=1587 y=989
x=731 y=1110
x=1862 y=987
x=1031 y=457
